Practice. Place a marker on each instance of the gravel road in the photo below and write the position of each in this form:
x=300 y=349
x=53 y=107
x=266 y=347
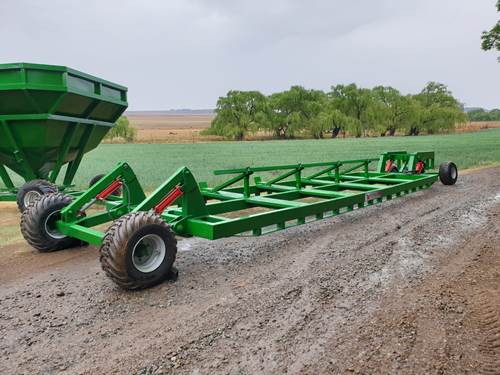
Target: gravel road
x=410 y=286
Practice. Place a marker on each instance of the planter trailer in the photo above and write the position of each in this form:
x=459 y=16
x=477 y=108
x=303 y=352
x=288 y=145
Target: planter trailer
x=139 y=247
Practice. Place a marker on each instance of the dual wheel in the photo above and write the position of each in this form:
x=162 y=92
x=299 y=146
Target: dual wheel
x=137 y=251
x=33 y=190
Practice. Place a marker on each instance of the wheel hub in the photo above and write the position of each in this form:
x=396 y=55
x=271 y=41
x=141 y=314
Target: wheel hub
x=50 y=225
x=453 y=173
x=148 y=253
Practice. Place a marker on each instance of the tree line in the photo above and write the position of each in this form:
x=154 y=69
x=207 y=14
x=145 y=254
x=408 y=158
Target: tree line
x=481 y=114
x=346 y=109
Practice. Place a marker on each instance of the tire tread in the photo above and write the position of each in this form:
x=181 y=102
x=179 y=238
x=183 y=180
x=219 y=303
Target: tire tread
x=43 y=186
x=113 y=248
x=31 y=224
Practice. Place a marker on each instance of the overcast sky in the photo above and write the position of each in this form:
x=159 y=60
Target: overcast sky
x=187 y=53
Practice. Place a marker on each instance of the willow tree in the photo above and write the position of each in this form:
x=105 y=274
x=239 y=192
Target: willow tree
x=396 y=111
x=438 y=109
x=292 y=111
x=355 y=102
x=237 y=113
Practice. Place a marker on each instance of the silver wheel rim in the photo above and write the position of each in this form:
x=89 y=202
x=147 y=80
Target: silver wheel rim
x=148 y=253
x=49 y=228
x=453 y=173
x=31 y=197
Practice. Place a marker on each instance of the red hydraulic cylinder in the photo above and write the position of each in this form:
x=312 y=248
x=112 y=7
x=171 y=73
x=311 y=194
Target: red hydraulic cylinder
x=419 y=168
x=388 y=165
x=109 y=190
x=171 y=197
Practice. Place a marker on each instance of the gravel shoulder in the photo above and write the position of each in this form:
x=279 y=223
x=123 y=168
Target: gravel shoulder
x=410 y=286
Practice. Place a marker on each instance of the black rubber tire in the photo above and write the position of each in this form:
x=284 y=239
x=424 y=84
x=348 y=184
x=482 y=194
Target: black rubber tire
x=448 y=173
x=93 y=180
x=117 y=250
x=394 y=169
x=41 y=187
x=34 y=224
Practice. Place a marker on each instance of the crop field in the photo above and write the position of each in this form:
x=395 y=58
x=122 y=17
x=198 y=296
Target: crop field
x=153 y=163
x=162 y=128
x=171 y=128
x=477 y=125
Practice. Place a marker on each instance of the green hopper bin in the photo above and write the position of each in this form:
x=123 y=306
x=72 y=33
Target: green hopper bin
x=51 y=116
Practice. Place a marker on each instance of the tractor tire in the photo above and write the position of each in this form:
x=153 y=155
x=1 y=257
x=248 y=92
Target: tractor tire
x=93 y=180
x=37 y=224
x=138 y=251
x=31 y=191
x=448 y=173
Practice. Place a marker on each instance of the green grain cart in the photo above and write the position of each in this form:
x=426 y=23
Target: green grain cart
x=50 y=116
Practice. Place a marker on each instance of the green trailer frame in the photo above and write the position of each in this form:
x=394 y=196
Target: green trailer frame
x=298 y=194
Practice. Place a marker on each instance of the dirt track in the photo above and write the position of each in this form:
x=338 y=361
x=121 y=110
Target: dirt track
x=409 y=287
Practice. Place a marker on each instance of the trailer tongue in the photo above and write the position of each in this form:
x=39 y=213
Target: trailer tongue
x=139 y=248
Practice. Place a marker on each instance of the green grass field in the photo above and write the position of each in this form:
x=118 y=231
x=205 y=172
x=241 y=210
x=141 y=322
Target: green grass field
x=153 y=163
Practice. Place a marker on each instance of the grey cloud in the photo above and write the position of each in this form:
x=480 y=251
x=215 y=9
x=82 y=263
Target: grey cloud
x=185 y=53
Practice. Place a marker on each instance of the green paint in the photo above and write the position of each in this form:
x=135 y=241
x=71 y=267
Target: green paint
x=51 y=116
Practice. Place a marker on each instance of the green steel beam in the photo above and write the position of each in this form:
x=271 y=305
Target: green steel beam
x=7 y=197
x=405 y=160
x=192 y=201
x=133 y=193
x=273 y=202
x=89 y=235
x=291 y=166
x=323 y=171
x=74 y=164
x=18 y=153
x=63 y=152
x=243 y=224
x=4 y=175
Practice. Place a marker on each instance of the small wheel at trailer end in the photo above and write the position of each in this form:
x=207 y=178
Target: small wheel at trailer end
x=448 y=173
